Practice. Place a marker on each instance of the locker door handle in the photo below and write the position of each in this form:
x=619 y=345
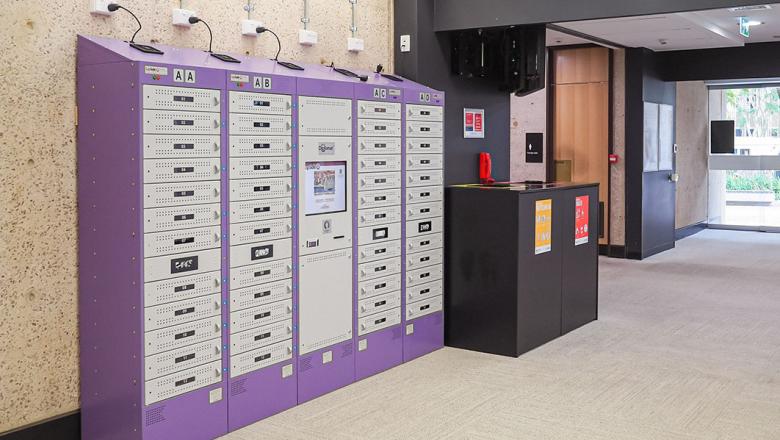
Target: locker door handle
x=216 y=123
x=216 y=305
x=216 y=170
x=216 y=215
x=216 y=146
x=216 y=282
x=216 y=101
x=216 y=192
x=216 y=238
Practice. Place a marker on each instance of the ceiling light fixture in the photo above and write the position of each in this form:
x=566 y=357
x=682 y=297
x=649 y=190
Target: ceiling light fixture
x=750 y=8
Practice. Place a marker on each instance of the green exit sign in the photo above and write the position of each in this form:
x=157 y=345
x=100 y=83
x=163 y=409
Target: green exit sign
x=744 y=27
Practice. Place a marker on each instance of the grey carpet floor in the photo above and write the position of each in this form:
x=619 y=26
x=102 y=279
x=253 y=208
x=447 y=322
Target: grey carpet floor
x=687 y=346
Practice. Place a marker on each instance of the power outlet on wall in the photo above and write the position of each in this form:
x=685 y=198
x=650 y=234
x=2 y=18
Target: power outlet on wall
x=181 y=17
x=249 y=27
x=355 y=44
x=99 y=7
x=307 y=37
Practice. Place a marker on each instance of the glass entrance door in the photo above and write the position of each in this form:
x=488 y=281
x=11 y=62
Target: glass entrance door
x=744 y=187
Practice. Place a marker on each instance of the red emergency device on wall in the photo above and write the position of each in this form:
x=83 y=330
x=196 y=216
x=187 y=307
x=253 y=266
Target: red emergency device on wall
x=485 y=169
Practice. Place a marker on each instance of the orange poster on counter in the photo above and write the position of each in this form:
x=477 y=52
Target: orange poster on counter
x=543 y=229
x=581 y=233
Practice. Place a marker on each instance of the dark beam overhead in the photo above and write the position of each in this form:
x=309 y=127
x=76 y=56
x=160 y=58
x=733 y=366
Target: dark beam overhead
x=469 y=14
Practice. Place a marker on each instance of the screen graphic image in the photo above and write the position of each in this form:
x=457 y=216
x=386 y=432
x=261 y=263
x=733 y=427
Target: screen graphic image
x=326 y=187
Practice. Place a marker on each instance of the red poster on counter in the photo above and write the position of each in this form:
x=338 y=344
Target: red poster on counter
x=581 y=220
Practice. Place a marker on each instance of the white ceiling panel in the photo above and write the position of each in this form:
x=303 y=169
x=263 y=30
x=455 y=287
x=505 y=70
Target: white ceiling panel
x=685 y=30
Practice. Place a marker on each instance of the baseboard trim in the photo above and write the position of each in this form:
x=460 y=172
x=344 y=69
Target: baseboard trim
x=689 y=230
x=612 y=251
x=657 y=250
x=616 y=251
x=64 y=427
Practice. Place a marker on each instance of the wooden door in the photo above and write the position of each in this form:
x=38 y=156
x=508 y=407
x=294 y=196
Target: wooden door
x=581 y=85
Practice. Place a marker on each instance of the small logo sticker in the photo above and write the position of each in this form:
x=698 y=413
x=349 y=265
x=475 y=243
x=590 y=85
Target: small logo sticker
x=239 y=79
x=156 y=70
x=327 y=148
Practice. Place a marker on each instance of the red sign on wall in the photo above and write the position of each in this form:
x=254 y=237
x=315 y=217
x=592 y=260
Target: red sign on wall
x=473 y=123
x=581 y=220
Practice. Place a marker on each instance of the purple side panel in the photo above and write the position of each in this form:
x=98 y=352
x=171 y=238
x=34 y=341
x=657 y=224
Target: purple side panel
x=90 y=52
x=175 y=418
x=260 y=394
x=110 y=258
x=263 y=393
x=385 y=347
x=316 y=378
x=384 y=350
x=428 y=336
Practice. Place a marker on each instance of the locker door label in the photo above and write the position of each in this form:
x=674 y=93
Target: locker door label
x=186 y=264
x=262 y=252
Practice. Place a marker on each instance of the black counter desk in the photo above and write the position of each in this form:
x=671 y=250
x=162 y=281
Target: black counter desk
x=501 y=296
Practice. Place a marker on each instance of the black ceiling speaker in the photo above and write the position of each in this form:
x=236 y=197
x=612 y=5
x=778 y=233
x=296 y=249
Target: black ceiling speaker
x=514 y=58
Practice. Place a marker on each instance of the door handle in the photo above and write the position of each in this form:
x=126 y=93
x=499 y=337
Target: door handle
x=674 y=177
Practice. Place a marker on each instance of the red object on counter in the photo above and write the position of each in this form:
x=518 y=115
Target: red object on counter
x=485 y=169
x=613 y=158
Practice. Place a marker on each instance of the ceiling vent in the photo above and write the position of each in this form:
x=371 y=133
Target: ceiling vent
x=750 y=8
